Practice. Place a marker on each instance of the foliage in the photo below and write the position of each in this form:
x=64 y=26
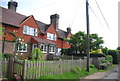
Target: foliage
x=115 y=55
x=78 y=42
x=73 y=74
x=105 y=50
x=119 y=56
x=99 y=51
x=8 y=55
x=109 y=58
x=92 y=66
x=36 y=54
x=118 y=48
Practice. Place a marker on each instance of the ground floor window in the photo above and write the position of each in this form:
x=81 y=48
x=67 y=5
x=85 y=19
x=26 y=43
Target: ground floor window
x=22 y=47
x=34 y=46
x=51 y=49
x=43 y=47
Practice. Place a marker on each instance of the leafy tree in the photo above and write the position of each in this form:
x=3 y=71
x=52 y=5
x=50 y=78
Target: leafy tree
x=78 y=42
x=118 y=48
x=96 y=41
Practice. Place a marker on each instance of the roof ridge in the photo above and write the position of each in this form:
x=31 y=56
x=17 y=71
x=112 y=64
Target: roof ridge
x=14 y=11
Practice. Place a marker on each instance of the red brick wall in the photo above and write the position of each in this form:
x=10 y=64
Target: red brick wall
x=51 y=30
x=31 y=23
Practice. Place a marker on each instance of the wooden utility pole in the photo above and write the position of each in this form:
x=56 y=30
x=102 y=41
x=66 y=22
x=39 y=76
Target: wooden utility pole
x=88 y=39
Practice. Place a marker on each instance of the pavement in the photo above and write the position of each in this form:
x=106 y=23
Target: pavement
x=112 y=75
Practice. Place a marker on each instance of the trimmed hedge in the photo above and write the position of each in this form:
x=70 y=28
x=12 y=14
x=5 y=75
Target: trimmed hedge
x=115 y=55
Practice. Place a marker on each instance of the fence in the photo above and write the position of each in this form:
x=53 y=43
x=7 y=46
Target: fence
x=34 y=69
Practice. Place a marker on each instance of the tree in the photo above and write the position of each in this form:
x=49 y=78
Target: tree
x=78 y=42
x=95 y=42
x=118 y=48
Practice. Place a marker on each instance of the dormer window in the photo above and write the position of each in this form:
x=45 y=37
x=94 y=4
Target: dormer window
x=30 y=31
x=51 y=36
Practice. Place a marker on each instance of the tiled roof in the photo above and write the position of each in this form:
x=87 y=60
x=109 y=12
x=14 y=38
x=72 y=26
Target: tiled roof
x=39 y=40
x=15 y=19
x=42 y=26
x=62 y=34
x=10 y=17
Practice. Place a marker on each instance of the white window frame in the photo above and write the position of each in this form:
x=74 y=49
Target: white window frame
x=51 y=36
x=30 y=31
x=34 y=46
x=51 y=49
x=45 y=48
x=18 y=49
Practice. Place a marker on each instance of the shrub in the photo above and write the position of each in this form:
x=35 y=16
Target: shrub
x=92 y=66
x=8 y=55
x=115 y=55
x=119 y=55
x=36 y=54
x=109 y=58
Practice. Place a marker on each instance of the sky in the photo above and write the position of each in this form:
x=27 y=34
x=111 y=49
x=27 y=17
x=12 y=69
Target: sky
x=73 y=14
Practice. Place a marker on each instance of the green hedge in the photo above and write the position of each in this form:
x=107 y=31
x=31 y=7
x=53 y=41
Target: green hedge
x=119 y=56
x=115 y=55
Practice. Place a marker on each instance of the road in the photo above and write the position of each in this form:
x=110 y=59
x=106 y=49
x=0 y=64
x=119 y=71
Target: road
x=113 y=74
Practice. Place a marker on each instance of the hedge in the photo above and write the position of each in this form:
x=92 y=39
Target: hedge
x=115 y=55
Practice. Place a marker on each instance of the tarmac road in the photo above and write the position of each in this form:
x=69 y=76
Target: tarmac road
x=113 y=75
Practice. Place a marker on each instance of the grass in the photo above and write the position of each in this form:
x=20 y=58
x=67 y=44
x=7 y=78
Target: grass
x=73 y=74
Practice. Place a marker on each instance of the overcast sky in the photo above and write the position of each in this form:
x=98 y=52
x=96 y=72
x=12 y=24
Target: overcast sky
x=73 y=14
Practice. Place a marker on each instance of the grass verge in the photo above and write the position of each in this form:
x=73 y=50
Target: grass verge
x=109 y=68
x=73 y=74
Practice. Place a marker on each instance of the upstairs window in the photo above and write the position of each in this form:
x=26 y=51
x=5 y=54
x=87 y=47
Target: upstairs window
x=51 y=36
x=30 y=31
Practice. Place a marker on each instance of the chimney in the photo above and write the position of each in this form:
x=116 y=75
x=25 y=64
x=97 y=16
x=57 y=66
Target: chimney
x=68 y=29
x=55 y=20
x=12 y=5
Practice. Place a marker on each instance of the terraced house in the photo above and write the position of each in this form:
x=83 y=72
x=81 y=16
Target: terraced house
x=31 y=32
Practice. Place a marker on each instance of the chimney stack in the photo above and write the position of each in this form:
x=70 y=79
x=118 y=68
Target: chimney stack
x=12 y=5
x=68 y=29
x=55 y=20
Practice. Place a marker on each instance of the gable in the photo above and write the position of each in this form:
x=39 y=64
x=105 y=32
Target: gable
x=30 y=21
x=51 y=29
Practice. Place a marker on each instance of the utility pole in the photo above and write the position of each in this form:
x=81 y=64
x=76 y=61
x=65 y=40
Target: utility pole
x=88 y=39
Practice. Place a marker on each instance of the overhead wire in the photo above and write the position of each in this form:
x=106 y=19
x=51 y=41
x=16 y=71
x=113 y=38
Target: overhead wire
x=96 y=16
x=104 y=18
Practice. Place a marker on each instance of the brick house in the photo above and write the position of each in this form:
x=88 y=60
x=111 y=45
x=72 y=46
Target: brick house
x=31 y=32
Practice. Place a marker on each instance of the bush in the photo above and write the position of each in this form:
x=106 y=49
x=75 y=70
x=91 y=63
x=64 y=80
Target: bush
x=92 y=66
x=115 y=55
x=110 y=58
x=8 y=55
x=119 y=55
x=37 y=54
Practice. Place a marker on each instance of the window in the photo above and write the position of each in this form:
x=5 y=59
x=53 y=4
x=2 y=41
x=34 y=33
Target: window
x=34 y=46
x=43 y=47
x=21 y=47
x=30 y=31
x=51 y=36
x=51 y=49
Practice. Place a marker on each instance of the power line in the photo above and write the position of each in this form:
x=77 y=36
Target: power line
x=104 y=18
x=102 y=14
x=96 y=15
